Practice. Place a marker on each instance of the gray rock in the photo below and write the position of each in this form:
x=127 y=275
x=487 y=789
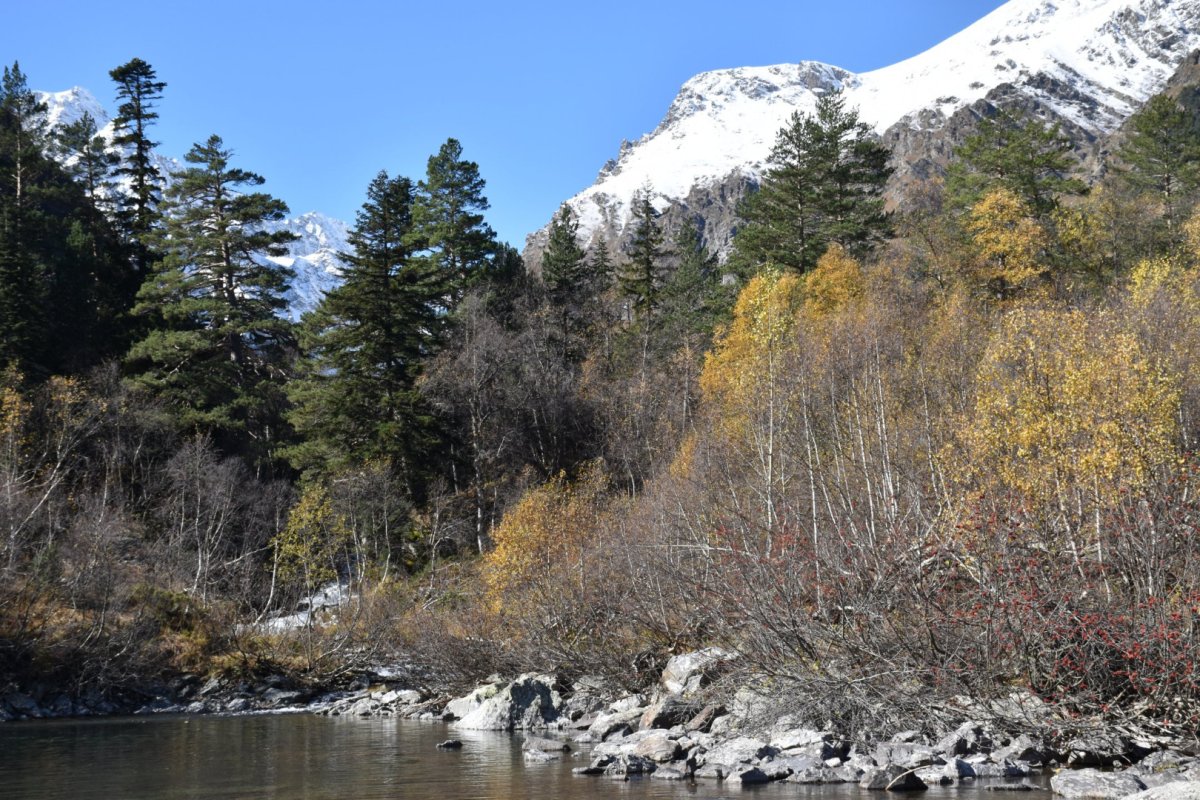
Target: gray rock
x=740 y=750
x=1023 y=749
x=669 y=774
x=1163 y=760
x=689 y=672
x=1008 y=769
x=617 y=722
x=281 y=697
x=237 y=705
x=893 y=778
x=704 y=720
x=450 y=744
x=668 y=711
x=462 y=706
x=528 y=703
x=1154 y=780
x=1092 y=784
x=1189 y=790
x=905 y=754
x=967 y=739
x=747 y=776
x=1010 y=787
x=545 y=745
x=659 y=748
x=630 y=765
x=539 y=756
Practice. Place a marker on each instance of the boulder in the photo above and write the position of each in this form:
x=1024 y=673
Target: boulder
x=528 y=703
x=968 y=739
x=544 y=745
x=892 y=778
x=1010 y=787
x=462 y=706
x=450 y=744
x=704 y=720
x=740 y=750
x=747 y=776
x=1187 y=790
x=1092 y=784
x=667 y=712
x=658 y=748
x=669 y=774
x=689 y=672
x=905 y=754
x=1024 y=749
x=616 y=722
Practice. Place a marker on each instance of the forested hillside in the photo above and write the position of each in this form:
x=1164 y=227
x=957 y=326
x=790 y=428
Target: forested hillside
x=944 y=450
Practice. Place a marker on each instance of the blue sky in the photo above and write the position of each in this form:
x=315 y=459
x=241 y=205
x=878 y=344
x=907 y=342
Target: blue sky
x=318 y=97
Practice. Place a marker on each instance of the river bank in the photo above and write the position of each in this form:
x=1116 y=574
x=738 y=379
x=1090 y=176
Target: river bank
x=689 y=728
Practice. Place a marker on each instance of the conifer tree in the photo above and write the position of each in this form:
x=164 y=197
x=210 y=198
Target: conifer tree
x=1025 y=157
x=448 y=221
x=641 y=276
x=693 y=298
x=824 y=184
x=138 y=90
x=217 y=351
x=1162 y=155
x=366 y=343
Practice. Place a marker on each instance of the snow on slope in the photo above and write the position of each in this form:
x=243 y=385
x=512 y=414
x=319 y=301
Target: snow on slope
x=315 y=256
x=1115 y=53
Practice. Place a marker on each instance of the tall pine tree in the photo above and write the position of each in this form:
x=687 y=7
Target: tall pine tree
x=448 y=222
x=138 y=90
x=366 y=343
x=824 y=185
x=1162 y=155
x=218 y=350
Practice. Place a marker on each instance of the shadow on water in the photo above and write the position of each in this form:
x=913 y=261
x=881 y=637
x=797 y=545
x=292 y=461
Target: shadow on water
x=304 y=757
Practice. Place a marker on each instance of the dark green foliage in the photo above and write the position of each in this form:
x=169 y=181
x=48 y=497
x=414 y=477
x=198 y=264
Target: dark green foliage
x=824 y=184
x=1162 y=157
x=694 y=299
x=58 y=265
x=448 y=225
x=641 y=276
x=366 y=344
x=1028 y=158
x=217 y=351
x=138 y=89
x=564 y=263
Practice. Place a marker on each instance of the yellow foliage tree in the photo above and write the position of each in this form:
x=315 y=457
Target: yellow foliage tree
x=1010 y=243
x=542 y=545
x=314 y=540
x=742 y=366
x=1070 y=411
x=835 y=283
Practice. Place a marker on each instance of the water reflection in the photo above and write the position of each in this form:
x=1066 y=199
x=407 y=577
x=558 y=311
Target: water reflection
x=302 y=757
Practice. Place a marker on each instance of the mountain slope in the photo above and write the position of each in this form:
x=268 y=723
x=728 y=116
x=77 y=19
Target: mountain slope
x=1087 y=64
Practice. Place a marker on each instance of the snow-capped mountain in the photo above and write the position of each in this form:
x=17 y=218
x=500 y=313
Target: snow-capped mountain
x=315 y=255
x=1087 y=64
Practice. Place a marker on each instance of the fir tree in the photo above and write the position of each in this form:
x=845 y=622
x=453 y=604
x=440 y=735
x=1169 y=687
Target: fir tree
x=641 y=277
x=218 y=350
x=448 y=221
x=1162 y=155
x=366 y=343
x=824 y=184
x=138 y=89
x=1031 y=160
x=694 y=300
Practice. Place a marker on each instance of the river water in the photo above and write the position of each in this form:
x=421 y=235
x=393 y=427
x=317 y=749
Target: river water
x=307 y=757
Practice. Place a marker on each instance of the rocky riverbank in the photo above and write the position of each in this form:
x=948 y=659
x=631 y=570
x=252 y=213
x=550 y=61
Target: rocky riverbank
x=678 y=731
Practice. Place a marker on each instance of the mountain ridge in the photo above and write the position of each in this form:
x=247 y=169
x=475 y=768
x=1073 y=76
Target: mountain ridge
x=1087 y=64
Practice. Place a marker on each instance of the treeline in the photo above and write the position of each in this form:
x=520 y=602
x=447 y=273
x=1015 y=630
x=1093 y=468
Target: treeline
x=943 y=451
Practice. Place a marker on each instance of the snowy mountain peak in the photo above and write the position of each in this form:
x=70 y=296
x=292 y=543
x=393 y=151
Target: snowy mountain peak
x=66 y=107
x=1090 y=63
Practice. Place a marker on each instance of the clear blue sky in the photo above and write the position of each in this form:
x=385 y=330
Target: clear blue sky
x=318 y=97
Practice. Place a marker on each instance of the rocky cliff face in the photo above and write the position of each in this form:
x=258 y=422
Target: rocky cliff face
x=1085 y=64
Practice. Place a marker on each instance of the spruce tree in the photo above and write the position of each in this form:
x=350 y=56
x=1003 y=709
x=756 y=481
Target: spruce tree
x=218 y=346
x=641 y=276
x=1162 y=155
x=448 y=221
x=138 y=90
x=1028 y=158
x=824 y=184
x=366 y=343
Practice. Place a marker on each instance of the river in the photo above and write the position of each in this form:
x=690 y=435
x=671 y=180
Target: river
x=307 y=757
